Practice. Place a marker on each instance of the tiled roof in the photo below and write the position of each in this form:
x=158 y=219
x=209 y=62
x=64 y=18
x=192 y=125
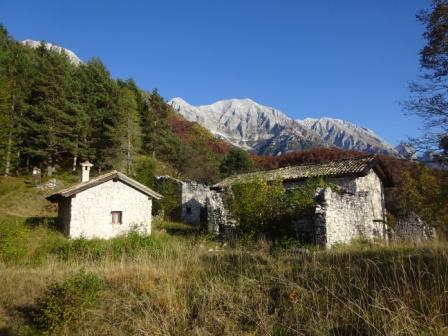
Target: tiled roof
x=113 y=175
x=354 y=166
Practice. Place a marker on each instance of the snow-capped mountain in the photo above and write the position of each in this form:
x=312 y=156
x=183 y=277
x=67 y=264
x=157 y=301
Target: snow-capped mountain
x=249 y=125
x=346 y=135
x=74 y=59
x=266 y=130
x=407 y=151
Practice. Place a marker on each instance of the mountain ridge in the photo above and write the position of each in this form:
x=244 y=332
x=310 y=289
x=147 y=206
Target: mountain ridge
x=267 y=130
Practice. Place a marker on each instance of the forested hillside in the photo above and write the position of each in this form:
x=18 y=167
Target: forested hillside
x=54 y=113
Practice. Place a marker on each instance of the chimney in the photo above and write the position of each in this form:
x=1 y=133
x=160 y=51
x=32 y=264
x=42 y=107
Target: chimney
x=85 y=167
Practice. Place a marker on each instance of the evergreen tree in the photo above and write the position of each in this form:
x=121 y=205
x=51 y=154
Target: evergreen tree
x=236 y=162
x=49 y=125
x=128 y=128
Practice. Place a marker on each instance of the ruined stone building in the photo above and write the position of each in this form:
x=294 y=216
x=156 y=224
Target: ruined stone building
x=354 y=209
x=191 y=197
x=104 y=207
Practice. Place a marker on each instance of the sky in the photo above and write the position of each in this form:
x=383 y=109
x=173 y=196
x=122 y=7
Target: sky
x=347 y=59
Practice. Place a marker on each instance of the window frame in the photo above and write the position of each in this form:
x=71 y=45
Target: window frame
x=120 y=217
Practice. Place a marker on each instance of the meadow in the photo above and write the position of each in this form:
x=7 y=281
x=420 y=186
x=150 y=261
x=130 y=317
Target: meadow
x=179 y=281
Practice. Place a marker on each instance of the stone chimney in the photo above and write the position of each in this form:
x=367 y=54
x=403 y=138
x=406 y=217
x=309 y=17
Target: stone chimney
x=85 y=167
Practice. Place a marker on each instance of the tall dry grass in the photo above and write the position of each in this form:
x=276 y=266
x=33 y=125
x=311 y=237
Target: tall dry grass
x=177 y=286
x=172 y=284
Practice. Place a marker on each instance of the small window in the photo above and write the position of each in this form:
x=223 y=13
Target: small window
x=188 y=210
x=117 y=217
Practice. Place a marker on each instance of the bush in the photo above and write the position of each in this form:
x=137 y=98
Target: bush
x=265 y=207
x=66 y=302
x=134 y=243
x=80 y=248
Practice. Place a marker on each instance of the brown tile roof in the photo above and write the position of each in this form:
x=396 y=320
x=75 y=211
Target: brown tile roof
x=113 y=175
x=348 y=167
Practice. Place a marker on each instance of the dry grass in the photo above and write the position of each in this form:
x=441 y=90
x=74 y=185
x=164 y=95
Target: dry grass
x=186 y=290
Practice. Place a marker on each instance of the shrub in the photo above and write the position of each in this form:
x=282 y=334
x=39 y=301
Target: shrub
x=267 y=208
x=66 y=302
x=135 y=242
x=80 y=248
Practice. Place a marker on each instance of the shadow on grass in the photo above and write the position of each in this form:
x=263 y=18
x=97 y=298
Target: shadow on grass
x=6 y=332
x=183 y=232
x=50 y=222
x=25 y=313
x=180 y=229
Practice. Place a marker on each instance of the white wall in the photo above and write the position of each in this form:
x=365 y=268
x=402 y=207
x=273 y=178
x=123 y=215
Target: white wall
x=354 y=215
x=91 y=211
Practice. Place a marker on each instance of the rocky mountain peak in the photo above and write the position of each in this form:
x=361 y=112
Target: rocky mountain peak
x=73 y=58
x=266 y=130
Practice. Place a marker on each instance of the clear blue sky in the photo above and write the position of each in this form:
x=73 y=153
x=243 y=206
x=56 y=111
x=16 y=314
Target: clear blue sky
x=345 y=59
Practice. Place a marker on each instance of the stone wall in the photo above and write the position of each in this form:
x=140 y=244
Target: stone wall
x=219 y=219
x=347 y=217
x=355 y=211
x=91 y=211
x=191 y=197
x=412 y=228
x=194 y=202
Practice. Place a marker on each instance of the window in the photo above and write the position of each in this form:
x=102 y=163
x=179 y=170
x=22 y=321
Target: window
x=117 y=217
x=188 y=210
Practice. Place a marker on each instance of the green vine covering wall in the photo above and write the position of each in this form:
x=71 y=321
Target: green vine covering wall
x=266 y=207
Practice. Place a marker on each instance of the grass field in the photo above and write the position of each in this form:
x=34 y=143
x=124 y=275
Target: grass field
x=179 y=282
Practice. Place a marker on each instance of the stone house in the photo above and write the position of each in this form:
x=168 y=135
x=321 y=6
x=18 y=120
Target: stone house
x=104 y=207
x=355 y=208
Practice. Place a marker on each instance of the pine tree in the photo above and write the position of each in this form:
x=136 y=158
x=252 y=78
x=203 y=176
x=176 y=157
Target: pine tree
x=48 y=123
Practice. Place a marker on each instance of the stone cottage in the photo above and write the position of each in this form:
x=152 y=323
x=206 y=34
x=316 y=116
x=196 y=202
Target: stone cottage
x=353 y=208
x=104 y=207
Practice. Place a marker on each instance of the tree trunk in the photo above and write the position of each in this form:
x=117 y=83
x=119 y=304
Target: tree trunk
x=8 y=154
x=129 y=147
x=50 y=166
x=75 y=160
x=9 y=146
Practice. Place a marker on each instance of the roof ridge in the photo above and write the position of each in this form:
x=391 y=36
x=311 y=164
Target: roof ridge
x=79 y=187
x=366 y=156
x=359 y=165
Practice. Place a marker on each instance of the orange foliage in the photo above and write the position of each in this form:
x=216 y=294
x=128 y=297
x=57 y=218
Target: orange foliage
x=180 y=126
x=192 y=132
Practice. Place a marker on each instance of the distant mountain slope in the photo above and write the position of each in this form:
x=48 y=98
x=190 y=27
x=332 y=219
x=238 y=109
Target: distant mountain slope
x=346 y=135
x=74 y=59
x=249 y=125
x=266 y=130
x=407 y=151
